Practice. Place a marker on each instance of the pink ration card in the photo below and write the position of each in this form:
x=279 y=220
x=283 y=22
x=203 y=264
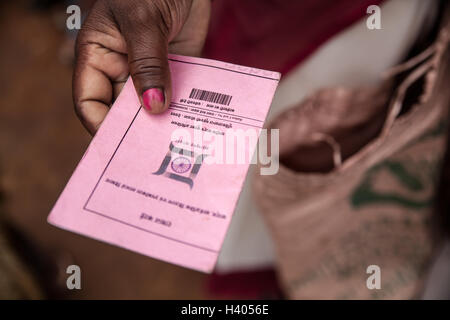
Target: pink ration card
x=147 y=183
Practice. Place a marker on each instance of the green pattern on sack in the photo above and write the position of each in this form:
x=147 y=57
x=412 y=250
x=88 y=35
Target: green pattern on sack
x=411 y=180
x=365 y=194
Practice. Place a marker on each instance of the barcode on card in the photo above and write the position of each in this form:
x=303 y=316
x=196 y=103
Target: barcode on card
x=210 y=96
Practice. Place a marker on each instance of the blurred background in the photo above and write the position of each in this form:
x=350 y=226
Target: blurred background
x=41 y=142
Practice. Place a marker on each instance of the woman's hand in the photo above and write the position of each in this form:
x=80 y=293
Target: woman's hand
x=133 y=37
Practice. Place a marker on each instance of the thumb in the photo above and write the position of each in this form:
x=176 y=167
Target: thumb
x=149 y=68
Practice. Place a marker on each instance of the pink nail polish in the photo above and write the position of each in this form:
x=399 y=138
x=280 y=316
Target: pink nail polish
x=153 y=99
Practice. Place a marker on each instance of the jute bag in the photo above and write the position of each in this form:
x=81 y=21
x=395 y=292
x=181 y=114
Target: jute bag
x=376 y=207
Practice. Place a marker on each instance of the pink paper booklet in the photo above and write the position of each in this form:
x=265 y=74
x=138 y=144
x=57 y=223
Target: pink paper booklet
x=149 y=184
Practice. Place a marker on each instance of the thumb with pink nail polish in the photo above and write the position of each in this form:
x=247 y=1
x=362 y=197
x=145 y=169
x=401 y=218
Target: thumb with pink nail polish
x=153 y=100
x=149 y=67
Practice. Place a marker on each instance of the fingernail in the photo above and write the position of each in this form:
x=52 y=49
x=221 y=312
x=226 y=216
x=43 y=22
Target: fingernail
x=153 y=99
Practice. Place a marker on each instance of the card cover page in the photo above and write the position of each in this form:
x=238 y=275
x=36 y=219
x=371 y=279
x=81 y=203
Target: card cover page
x=166 y=185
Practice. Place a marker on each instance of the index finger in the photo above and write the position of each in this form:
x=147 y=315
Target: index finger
x=98 y=73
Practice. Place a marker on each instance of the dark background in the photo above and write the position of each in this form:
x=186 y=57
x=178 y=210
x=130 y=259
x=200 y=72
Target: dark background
x=41 y=142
